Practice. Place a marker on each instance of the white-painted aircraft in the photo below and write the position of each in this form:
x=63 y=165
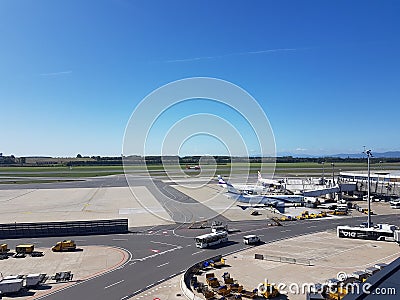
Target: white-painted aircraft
x=277 y=201
x=269 y=182
x=243 y=188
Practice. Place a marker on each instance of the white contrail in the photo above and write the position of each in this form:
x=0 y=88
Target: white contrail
x=230 y=54
x=56 y=73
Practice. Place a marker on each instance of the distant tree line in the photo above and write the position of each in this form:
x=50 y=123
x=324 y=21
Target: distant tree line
x=80 y=160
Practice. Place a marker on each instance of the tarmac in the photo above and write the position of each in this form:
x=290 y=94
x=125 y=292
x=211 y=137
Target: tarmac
x=84 y=263
x=321 y=256
x=214 y=197
x=73 y=204
x=145 y=203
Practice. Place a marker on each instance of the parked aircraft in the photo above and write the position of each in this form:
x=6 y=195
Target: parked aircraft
x=193 y=167
x=243 y=188
x=269 y=182
x=277 y=201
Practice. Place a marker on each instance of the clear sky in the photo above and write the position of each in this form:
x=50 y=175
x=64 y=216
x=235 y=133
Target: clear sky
x=326 y=73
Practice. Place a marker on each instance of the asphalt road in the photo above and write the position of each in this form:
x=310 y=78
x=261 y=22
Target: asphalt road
x=162 y=252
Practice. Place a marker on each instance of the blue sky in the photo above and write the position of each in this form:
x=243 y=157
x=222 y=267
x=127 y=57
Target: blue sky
x=326 y=73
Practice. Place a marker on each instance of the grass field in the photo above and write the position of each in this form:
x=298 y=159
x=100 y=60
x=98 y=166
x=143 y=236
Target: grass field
x=158 y=170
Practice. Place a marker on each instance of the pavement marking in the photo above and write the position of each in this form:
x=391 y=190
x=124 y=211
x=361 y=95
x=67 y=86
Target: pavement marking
x=287 y=230
x=198 y=252
x=158 y=253
x=155 y=242
x=163 y=265
x=120 y=239
x=313 y=226
x=118 y=282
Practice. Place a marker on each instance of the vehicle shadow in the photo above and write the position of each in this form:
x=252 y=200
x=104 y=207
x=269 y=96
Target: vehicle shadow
x=41 y=287
x=22 y=293
x=219 y=246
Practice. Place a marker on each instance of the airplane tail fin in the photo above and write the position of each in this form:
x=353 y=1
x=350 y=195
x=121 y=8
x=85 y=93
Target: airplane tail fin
x=220 y=180
x=228 y=185
x=231 y=189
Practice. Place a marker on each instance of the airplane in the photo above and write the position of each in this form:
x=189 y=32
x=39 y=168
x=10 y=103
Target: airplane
x=268 y=182
x=243 y=188
x=193 y=167
x=277 y=201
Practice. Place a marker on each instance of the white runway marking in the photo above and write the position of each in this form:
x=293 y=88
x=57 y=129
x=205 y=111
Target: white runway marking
x=163 y=265
x=118 y=282
x=155 y=242
x=198 y=252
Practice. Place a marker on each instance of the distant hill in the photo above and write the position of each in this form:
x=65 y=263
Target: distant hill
x=388 y=154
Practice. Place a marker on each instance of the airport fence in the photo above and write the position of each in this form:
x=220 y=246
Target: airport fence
x=288 y=260
x=25 y=230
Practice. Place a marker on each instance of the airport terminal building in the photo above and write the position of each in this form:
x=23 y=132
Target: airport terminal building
x=385 y=176
x=384 y=183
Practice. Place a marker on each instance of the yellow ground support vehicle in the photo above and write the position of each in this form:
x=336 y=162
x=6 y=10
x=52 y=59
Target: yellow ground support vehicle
x=269 y=291
x=218 y=264
x=4 y=248
x=24 y=248
x=337 y=213
x=338 y=295
x=223 y=290
x=64 y=246
x=212 y=281
x=287 y=218
x=304 y=215
x=365 y=211
x=208 y=294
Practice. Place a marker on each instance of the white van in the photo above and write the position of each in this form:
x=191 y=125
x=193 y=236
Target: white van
x=251 y=239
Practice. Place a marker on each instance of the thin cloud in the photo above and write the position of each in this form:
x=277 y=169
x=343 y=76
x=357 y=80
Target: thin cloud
x=56 y=73
x=231 y=54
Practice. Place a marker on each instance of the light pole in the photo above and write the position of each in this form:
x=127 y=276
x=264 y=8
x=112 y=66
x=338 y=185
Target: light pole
x=323 y=173
x=369 y=155
x=333 y=173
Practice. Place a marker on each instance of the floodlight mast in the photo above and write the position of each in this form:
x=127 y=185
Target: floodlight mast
x=369 y=155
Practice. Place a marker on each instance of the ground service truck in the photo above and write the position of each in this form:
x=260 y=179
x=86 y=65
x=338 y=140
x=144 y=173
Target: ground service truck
x=4 y=248
x=64 y=246
x=10 y=286
x=25 y=249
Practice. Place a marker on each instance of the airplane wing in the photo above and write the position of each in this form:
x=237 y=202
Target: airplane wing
x=244 y=206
